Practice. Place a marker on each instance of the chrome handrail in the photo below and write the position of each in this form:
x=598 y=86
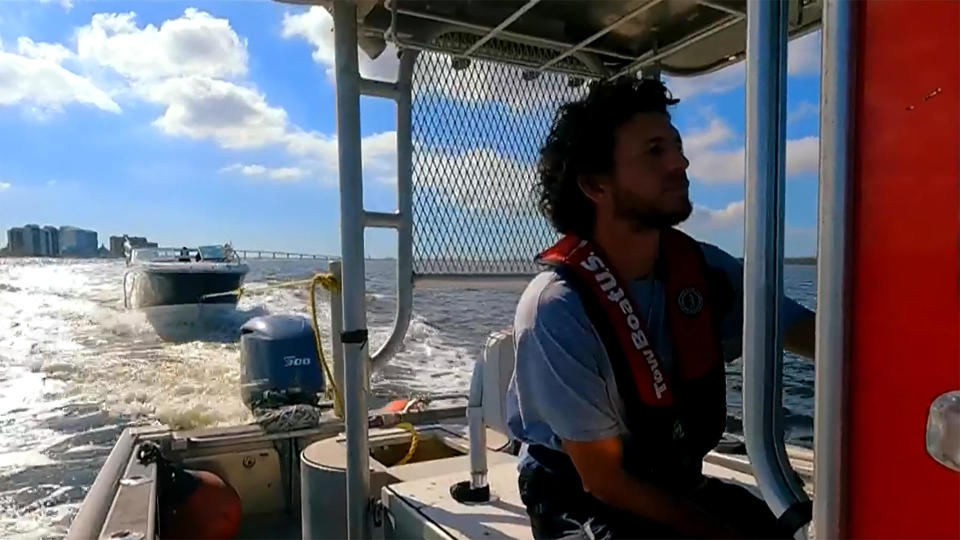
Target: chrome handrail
x=837 y=84
x=763 y=261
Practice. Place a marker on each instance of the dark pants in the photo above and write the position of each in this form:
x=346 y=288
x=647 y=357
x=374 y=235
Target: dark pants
x=560 y=512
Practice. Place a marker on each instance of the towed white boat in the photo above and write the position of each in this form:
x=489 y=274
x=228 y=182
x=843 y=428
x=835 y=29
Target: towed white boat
x=171 y=277
x=184 y=293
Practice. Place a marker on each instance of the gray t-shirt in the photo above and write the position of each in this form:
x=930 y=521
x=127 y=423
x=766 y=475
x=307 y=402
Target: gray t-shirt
x=563 y=385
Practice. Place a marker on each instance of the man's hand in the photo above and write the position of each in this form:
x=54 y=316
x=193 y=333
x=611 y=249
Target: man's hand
x=600 y=465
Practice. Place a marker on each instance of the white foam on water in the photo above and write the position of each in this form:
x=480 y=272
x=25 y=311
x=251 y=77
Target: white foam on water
x=21 y=460
x=427 y=364
x=76 y=367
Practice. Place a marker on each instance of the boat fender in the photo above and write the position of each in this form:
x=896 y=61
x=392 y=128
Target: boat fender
x=193 y=504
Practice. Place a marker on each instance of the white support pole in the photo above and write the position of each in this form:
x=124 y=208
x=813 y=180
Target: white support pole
x=837 y=88
x=403 y=219
x=763 y=260
x=353 y=280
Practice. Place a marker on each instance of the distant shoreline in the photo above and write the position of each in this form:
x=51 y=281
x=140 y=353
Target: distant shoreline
x=795 y=261
x=792 y=261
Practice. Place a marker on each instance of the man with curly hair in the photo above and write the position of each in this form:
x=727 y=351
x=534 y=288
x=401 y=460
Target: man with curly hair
x=619 y=388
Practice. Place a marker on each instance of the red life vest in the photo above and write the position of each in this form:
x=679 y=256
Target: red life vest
x=674 y=418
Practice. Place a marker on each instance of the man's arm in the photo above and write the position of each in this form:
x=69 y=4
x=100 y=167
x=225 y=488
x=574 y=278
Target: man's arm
x=798 y=321
x=599 y=464
x=799 y=337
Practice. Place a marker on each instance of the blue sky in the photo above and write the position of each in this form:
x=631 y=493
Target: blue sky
x=195 y=123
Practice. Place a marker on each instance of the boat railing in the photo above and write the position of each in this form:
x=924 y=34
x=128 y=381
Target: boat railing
x=764 y=202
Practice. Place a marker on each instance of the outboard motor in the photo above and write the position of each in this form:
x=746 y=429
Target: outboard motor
x=279 y=364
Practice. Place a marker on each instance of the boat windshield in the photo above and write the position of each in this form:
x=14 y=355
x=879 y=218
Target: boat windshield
x=212 y=253
x=140 y=255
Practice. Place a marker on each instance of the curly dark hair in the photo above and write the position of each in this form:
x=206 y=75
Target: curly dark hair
x=581 y=143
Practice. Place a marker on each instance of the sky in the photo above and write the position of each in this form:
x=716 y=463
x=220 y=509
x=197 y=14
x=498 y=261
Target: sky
x=204 y=122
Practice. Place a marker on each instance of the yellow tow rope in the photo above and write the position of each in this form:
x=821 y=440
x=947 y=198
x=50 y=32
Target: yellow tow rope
x=330 y=283
x=414 y=440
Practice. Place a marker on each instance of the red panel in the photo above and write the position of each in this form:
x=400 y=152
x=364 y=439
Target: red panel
x=906 y=302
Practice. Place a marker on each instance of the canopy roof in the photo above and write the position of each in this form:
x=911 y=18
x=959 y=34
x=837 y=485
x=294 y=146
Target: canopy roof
x=594 y=38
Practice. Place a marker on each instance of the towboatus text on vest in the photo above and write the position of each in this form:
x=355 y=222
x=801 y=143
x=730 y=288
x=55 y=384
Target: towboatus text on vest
x=616 y=294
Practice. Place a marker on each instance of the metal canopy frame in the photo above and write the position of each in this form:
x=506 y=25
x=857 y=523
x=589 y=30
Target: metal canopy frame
x=415 y=25
x=600 y=38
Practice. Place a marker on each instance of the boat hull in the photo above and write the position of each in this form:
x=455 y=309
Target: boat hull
x=171 y=287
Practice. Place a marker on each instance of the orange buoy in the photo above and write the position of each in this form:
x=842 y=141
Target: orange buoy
x=211 y=509
x=397 y=405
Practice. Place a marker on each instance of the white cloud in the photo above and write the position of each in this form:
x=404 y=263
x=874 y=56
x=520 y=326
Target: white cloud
x=729 y=217
x=380 y=157
x=711 y=165
x=232 y=115
x=722 y=227
x=5 y=186
x=194 y=67
x=67 y=5
x=191 y=66
x=803 y=55
x=716 y=82
x=286 y=173
x=803 y=155
x=318 y=153
x=717 y=167
x=41 y=82
x=480 y=179
x=316 y=27
x=163 y=64
x=196 y=43
x=279 y=174
x=312 y=145
x=717 y=132
x=803 y=110
x=51 y=52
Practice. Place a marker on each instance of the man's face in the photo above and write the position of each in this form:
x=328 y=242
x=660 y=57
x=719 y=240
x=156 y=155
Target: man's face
x=649 y=186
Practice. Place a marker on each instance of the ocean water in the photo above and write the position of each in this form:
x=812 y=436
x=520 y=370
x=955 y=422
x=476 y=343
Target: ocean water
x=76 y=367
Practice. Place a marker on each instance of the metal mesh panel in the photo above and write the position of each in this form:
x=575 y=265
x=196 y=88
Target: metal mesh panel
x=477 y=132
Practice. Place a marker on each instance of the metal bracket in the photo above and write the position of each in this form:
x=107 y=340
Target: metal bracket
x=354 y=336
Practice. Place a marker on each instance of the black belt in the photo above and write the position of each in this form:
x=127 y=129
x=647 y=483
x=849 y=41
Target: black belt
x=557 y=462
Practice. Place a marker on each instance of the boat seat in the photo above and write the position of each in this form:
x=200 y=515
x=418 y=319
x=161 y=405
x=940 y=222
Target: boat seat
x=496 y=370
x=424 y=507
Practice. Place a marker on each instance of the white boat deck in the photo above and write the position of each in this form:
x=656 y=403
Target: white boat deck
x=429 y=500
x=425 y=508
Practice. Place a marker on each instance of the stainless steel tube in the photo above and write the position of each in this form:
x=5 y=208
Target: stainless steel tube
x=763 y=254
x=401 y=320
x=354 y=280
x=837 y=83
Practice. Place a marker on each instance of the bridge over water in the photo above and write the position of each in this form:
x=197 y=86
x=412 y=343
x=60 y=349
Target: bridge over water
x=270 y=254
